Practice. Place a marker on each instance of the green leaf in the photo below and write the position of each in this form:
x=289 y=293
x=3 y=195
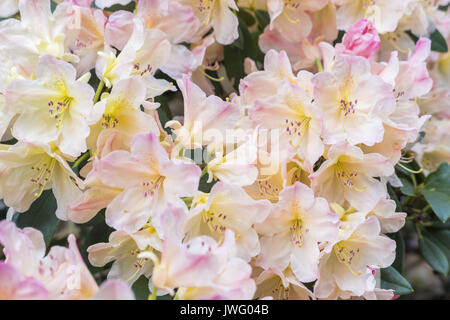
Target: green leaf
x=438 y=42
x=433 y=254
x=53 y=5
x=3 y=210
x=407 y=188
x=164 y=112
x=140 y=288
x=439 y=202
x=204 y=186
x=41 y=216
x=263 y=19
x=399 y=251
x=394 y=197
x=392 y=279
x=437 y=191
x=246 y=16
x=117 y=7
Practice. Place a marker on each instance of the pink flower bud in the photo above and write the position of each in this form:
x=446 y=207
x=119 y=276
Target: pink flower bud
x=361 y=39
x=81 y=3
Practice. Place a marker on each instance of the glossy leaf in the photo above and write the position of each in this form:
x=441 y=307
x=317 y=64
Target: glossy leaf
x=41 y=216
x=407 y=188
x=433 y=254
x=438 y=42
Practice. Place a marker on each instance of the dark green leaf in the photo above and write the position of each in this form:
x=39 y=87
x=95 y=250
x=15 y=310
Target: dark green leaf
x=246 y=16
x=204 y=186
x=440 y=238
x=433 y=254
x=438 y=42
x=439 y=178
x=53 y=5
x=41 y=216
x=117 y=7
x=443 y=237
x=439 y=202
x=263 y=18
x=407 y=188
x=412 y=36
x=392 y=279
x=437 y=191
x=3 y=210
x=164 y=112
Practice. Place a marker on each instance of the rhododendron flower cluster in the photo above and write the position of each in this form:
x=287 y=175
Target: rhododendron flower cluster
x=220 y=149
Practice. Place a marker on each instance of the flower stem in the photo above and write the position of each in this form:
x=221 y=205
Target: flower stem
x=319 y=65
x=204 y=171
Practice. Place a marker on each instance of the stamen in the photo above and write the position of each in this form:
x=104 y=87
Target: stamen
x=280 y=291
x=58 y=108
x=109 y=121
x=267 y=190
x=214 y=220
x=150 y=187
x=347 y=177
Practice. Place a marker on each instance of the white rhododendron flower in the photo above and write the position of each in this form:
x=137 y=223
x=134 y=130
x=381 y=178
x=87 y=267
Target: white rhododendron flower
x=354 y=259
x=220 y=210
